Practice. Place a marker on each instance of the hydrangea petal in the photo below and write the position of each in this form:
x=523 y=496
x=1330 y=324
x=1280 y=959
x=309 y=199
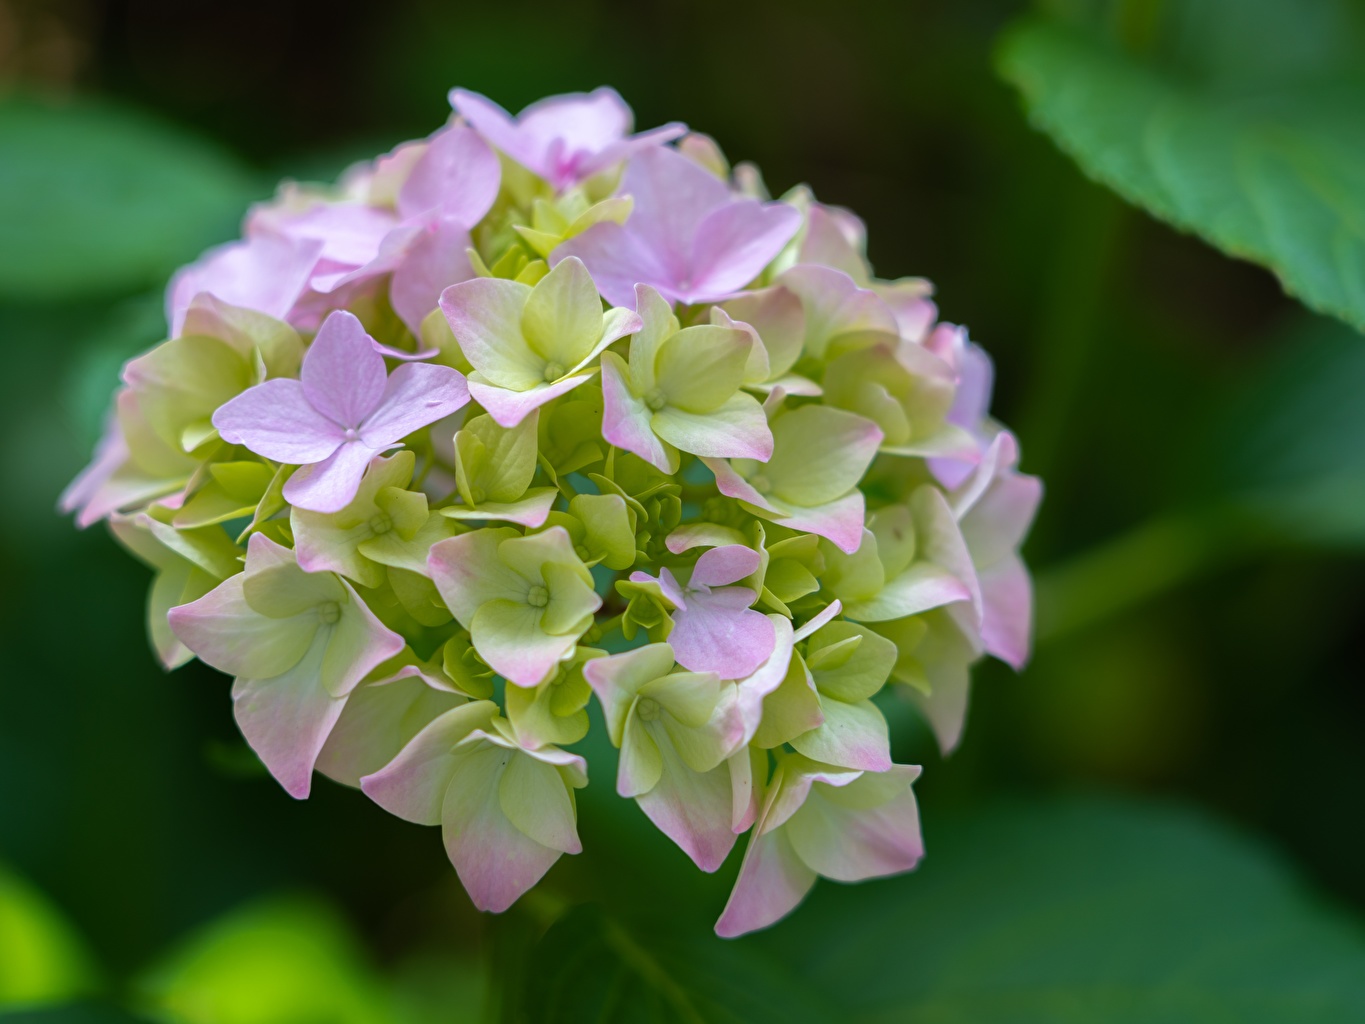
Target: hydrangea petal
x=413 y=785
x=691 y=808
x=343 y=376
x=275 y=419
x=733 y=245
x=718 y=632
x=495 y=860
x=286 y=719
x=330 y=485
x=840 y=837
x=416 y=395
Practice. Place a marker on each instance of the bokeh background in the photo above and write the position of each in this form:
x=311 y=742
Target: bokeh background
x=1201 y=598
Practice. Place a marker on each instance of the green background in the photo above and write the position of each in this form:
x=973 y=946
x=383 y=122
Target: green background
x=1159 y=820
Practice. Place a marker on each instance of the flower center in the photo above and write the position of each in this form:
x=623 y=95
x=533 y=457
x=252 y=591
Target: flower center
x=656 y=399
x=381 y=524
x=760 y=483
x=329 y=612
x=351 y=434
x=553 y=371
x=537 y=596
x=581 y=551
x=648 y=708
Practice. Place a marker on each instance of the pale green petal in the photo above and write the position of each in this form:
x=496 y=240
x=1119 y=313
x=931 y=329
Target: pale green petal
x=562 y=319
x=530 y=510
x=852 y=735
x=641 y=763
x=849 y=662
x=791 y=709
x=700 y=367
x=252 y=334
x=820 y=453
x=856 y=577
x=497 y=349
x=689 y=697
x=896 y=538
x=509 y=459
x=393 y=550
x=660 y=325
x=283 y=590
x=181 y=382
x=921 y=587
x=572 y=600
x=419 y=597
x=508 y=635
x=737 y=428
x=468 y=572
x=527 y=555
x=536 y=801
x=607 y=531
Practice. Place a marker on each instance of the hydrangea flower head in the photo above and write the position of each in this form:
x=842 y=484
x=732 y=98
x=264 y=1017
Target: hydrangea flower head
x=534 y=413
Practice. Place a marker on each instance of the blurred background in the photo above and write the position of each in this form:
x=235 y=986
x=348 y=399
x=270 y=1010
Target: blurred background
x=1198 y=553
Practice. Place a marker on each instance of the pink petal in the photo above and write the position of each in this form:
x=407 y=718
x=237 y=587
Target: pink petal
x=456 y=178
x=1007 y=625
x=498 y=126
x=840 y=522
x=584 y=123
x=350 y=232
x=718 y=632
x=416 y=395
x=766 y=678
x=617 y=152
x=275 y=419
x=343 y=376
x=508 y=408
x=413 y=785
x=724 y=565
x=229 y=635
x=495 y=860
x=733 y=245
x=266 y=272
x=110 y=453
x=434 y=260
x=772 y=882
x=692 y=808
x=286 y=719
x=619 y=260
x=673 y=196
x=625 y=419
x=330 y=486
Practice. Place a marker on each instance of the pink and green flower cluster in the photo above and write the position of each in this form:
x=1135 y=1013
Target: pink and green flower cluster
x=537 y=412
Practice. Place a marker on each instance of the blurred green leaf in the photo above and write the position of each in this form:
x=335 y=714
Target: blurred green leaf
x=1287 y=444
x=1080 y=910
x=285 y=961
x=42 y=958
x=96 y=199
x=1262 y=155
x=76 y=1013
x=589 y=968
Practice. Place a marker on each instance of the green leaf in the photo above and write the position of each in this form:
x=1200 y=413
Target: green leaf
x=1261 y=157
x=588 y=968
x=74 y=1013
x=285 y=961
x=1078 y=911
x=42 y=958
x=97 y=199
x=1287 y=444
